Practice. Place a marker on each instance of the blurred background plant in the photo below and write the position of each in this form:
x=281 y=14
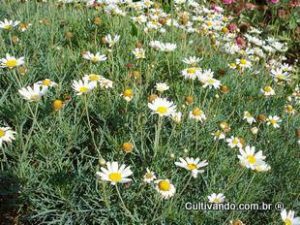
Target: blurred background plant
x=280 y=18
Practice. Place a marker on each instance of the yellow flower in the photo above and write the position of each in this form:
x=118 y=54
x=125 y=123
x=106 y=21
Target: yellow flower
x=57 y=105
x=127 y=147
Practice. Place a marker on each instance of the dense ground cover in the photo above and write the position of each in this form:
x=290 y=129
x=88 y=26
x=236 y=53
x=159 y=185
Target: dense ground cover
x=168 y=82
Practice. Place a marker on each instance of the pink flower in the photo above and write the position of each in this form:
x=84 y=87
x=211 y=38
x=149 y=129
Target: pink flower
x=228 y=2
x=273 y=1
x=232 y=27
x=241 y=42
x=216 y=8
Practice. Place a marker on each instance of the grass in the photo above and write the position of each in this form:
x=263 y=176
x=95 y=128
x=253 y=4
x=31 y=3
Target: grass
x=49 y=174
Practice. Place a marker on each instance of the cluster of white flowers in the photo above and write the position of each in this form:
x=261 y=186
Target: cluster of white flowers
x=163 y=47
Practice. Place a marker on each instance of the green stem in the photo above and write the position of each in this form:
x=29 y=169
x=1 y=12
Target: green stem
x=157 y=135
x=34 y=121
x=124 y=206
x=187 y=183
x=89 y=125
x=246 y=190
x=4 y=158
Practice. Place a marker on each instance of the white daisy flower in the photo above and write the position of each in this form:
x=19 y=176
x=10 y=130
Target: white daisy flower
x=193 y=165
x=191 y=73
x=147 y=3
x=161 y=87
x=205 y=75
x=176 y=117
x=8 y=24
x=47 y=83
x=250 y=159
x=212 y=82
x=197 y=114
x=280 y=75
x=192 y=60
x=33 y=94
x=162 y=107
x=168 y=47
x=216 y=198
x=288 y=217
x=11 y=62
x=114 y=173
x=254 y=40
x=254 y=130
x=262 y=167
x=155 y=44
x=267 y=91
x=232 y=65
x=219 y=135
x=149 y=176
x=105 y=83
x=98 y=79
x=7 y=135
x=274 y=120
x=127 y=94
x=243 y=63
x=287 y=68
x=249 y=118
x=83 y=86
x=234 y=142
x=164 y=47
x=94 y=57
x=139 y=53
x=112 y=40
x=93 y=78
x=165 y=188
x=139 y=19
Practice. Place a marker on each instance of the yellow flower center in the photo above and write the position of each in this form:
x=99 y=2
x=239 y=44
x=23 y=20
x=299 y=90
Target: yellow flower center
x=191 y=70
x=46 y=82
x=232 y=65
x=155 y=22
x=218 y=133
x=209 y=23
x=197 y=112
x=288 y=222
x=148 y=176
x=225 y=30
x=243 y=61
x=164 y=185
x=272 y=121
x=161 y=109
x=247 y=114
x=11 y=63
x=191 y=166
x=93 y=77
x=235 y=141
x=2 y=133
x=7 y=27
x=94 y=59
x=280 y=76
x=210 y=81
x=83 y=89
x=115 y=176
x=267 y=89
x=128 y=93
x=251 y=159
x=217 y=200
x=35 y=97
x=289 y=108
